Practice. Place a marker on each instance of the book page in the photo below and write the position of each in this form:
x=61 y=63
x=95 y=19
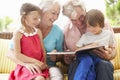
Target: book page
x=89 y=47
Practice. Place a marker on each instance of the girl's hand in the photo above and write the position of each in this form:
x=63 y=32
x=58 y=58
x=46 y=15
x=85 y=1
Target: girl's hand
x=42 y=65
x=33 y=68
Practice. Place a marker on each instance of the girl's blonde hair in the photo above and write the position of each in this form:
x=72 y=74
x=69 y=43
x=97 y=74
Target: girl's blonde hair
x=69 y=7
x=26 y=8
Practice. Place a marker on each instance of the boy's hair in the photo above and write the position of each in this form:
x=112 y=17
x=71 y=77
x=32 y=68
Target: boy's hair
x=94 y=17
x=27 y=8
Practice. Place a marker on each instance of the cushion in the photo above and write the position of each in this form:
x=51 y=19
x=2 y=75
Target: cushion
x=6 y=65
x=116 y=61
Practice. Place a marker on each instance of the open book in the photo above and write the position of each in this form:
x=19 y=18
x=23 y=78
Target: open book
x=81 y=49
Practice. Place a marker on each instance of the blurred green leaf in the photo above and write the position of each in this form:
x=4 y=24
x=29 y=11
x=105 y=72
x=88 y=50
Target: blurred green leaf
x=113 y=11
x=4 y=22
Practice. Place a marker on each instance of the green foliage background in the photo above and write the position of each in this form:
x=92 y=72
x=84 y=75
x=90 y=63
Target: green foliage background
x=4 y=22
x=113 y=12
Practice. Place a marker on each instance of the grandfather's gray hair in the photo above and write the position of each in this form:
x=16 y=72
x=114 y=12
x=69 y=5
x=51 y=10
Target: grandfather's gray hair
x=69 y=7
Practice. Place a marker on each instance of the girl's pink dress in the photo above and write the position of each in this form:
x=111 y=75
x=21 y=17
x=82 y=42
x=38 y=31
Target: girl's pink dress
x=30 y=46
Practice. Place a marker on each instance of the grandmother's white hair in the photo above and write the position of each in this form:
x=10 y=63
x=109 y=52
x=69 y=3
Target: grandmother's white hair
x=46 y=4
x=69 y=7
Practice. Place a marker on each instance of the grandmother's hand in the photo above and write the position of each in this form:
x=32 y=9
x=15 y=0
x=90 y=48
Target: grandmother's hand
x=53 y=56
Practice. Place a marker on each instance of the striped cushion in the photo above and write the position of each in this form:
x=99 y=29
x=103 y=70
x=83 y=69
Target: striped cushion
x=116 y=61
x=117 y=74
x=6 y=65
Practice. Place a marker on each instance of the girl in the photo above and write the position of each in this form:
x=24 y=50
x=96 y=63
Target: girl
x=52 y=36
x=28 y=47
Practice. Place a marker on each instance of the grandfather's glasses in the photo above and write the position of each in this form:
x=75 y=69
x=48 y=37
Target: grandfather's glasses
x=81 y=18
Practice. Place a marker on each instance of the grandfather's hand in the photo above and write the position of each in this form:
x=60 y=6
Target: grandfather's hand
x=105 y=53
